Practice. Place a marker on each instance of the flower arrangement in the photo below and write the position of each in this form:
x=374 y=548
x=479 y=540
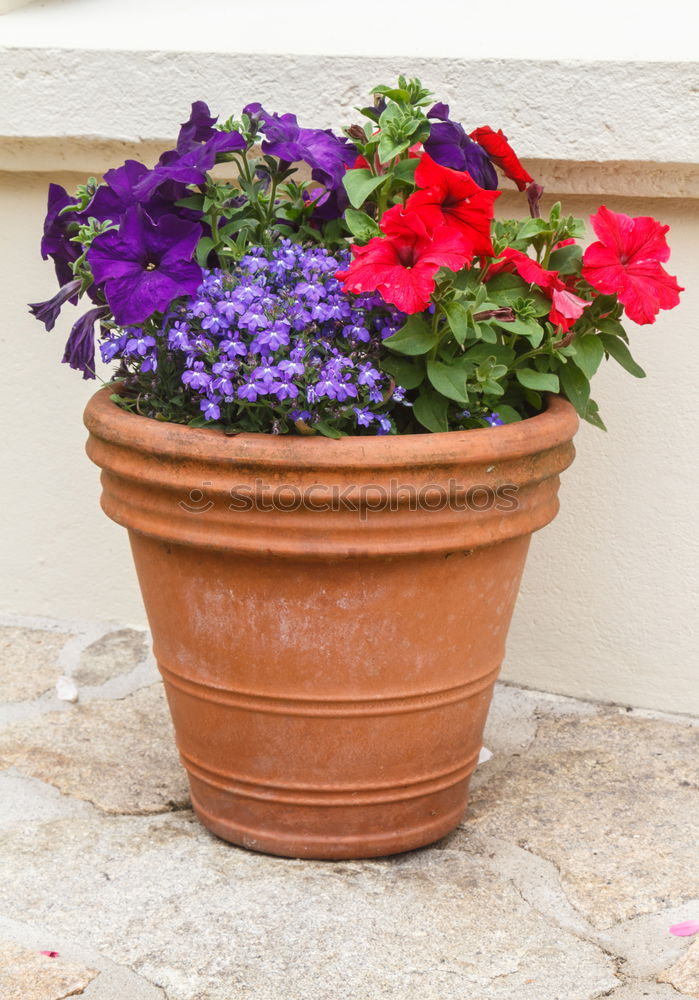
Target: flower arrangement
x=355 y=284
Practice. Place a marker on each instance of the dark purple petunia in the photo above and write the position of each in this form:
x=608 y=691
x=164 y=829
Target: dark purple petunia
x=534 y=193
x=119 y=192
x=450 y=146
x=190 y=167
x=56 y=242
x=112 y=198
x=326 y=154
x=80 y=347
x=198 y=128
x=330 y=205
x=145 y=265
x=47 y=312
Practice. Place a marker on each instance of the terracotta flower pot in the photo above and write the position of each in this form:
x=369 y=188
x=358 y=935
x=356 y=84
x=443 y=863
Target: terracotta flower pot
x=329 y=617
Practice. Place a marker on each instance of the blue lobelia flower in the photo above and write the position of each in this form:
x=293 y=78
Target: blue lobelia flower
x=145 y=265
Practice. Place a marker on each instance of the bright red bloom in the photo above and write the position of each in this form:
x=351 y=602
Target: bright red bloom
x=502 y=154
x=625 y=261
x=566 y=306
x=452 y=198
x=402 y=265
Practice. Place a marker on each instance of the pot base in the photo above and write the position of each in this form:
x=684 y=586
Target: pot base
x=325 y=847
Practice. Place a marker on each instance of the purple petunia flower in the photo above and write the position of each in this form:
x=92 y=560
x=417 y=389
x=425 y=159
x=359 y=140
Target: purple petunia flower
x=144 y=266
x=198 y=128
x=326 y=154
x=56 y=242
x=80 y=347
x=47 y=312
x=449 y=145
x=189 y=167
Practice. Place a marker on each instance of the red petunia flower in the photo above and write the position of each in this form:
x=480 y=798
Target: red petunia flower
x=502 y=154
x=566 y=306
x=625 y=261
x=452 y=198
x=402 y=265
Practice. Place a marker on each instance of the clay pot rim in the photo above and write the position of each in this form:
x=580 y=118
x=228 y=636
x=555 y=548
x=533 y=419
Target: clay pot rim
x=554 y=426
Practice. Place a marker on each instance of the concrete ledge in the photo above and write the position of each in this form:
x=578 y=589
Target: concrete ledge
x=599 y=112
x=93 y=155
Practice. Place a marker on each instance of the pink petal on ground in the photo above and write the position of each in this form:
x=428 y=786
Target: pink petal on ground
x=686 y=929
x=49 y=954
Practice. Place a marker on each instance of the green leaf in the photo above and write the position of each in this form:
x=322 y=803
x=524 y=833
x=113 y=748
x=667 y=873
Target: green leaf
x=506 y=286
x=529 y=328
x=359 y=184
x=620 y=352
x=194 y=201
x=509 y=414
x=394 y=94
x=450 y=380
x=204 y=248
x=588 y=353
x=541 y=381
x=327 y=430
x=458 y=320
x=430 y=410
x=409 y=374
x=592 y=415
x=404 y=170
x=414 y=338
x=576 y=387
x=481 y=352
x=612 y=326
x=533 y=398
x=486 y=333
x=466 y=280
x=532 y=227
x=361 y=225
x=505 y=289
x=566 y=260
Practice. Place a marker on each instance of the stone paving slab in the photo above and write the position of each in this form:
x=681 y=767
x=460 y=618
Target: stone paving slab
x=613 y=802
x=684 y=975
x=28 y=662
x=204 y=920
x=108 y=980
x=28 y=975
x=578 y=853
x=113 y=654
x=119 y=755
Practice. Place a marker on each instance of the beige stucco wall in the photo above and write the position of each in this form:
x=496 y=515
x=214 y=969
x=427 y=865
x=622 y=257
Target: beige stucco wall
x=608 y=604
